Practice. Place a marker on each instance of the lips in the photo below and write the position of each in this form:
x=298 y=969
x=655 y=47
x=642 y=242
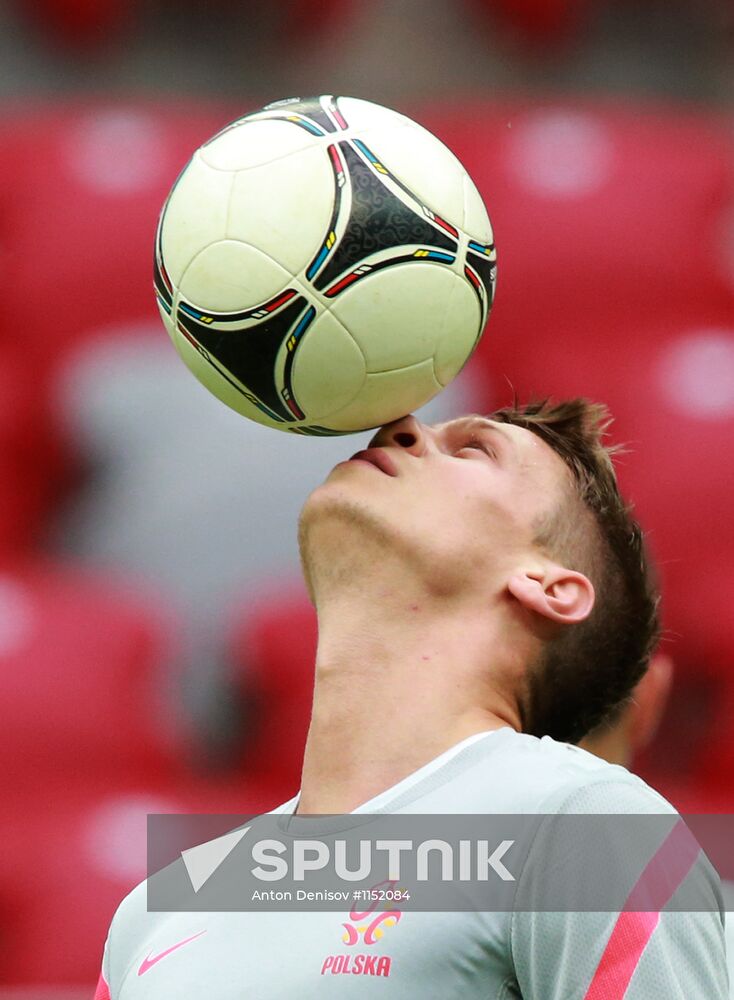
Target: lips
x=377 y=457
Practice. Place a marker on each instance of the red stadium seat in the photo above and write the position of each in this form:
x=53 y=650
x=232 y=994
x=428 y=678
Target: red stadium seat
x=92 y=740
x=82 y=23
x=602 y=214
x=82 y=680
x=80 y=853
x=30 y=466
x=81 y=187
x=70 y=860
x=673 y=399
x=84 y=724
x=538 y=23
x=304 y=19
x=273 y=652
x=87 y=849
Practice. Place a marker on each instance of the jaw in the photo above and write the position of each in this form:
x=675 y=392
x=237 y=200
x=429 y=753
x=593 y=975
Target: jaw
x=340 y=536
x=351 y=552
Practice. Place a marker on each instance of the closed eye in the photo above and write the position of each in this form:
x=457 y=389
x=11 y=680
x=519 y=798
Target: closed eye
x=478 y=445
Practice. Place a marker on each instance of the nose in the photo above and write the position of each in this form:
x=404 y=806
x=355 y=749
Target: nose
x=407 y=433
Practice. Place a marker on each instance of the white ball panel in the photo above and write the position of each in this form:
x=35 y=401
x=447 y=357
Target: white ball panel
x=427 y=168
x=461 y=327
x=217 y=384
x=229 y=276
x=196 y=215
x=397 y=315
x=328 y=370
x=362 y=115
x=251 y=143
x=476 y=221
x=387 y=396
x=285 y=207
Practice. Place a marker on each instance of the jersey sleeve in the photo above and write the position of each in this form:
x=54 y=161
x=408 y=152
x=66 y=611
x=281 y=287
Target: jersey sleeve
x=126 y=928
x=102 y=992
x=627 y=955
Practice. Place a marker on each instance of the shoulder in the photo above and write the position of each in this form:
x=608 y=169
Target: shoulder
x=131 y=926
x=544 y=775
x=588 y=784
x=135 y=928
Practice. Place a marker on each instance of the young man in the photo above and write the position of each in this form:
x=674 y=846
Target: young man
x=483 y=601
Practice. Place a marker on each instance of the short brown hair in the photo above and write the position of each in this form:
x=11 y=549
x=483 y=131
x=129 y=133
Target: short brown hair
x=592 y=666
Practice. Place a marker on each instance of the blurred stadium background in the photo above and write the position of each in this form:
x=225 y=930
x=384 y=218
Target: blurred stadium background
x=155 y=639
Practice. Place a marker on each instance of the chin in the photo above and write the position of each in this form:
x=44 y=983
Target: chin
x=324 y=502
x=331 y=507
x=322 y=516
x=340 y=527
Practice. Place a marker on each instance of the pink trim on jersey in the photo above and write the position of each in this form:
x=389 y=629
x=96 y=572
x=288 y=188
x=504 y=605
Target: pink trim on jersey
x=624 y=950
x=663 y=874
x=103 y=991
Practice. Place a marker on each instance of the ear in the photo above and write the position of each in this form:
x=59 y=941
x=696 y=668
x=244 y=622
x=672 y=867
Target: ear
x=559 y=594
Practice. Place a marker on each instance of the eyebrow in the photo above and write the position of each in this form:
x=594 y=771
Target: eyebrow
x=477 y=420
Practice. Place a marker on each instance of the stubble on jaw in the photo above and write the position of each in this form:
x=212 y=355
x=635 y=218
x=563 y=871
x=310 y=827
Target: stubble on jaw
x=339 y=540
x=343 y=544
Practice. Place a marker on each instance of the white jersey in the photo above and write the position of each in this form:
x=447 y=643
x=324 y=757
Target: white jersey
x=472 y=956
x=728 y=892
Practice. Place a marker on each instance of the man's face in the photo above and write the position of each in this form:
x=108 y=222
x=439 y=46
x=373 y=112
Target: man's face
x=459 y=498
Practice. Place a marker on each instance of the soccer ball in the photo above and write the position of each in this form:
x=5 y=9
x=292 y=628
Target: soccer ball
x=324 y=265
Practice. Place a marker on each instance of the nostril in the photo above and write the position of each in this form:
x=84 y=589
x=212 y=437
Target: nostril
x=405 y=439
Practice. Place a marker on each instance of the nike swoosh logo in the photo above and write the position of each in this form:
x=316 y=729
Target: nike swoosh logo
x=152 y=960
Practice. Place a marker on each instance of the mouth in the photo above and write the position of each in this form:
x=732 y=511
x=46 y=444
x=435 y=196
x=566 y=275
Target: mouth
x=377 y=457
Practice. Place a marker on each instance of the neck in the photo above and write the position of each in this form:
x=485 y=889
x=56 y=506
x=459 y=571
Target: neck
x=399 y=680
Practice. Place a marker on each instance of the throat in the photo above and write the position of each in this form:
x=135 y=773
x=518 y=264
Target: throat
x=394 y=689
x=355 y=755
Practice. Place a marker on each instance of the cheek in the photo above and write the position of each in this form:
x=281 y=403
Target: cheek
x=481 y=492
x=471 y=508
x=504 y=515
